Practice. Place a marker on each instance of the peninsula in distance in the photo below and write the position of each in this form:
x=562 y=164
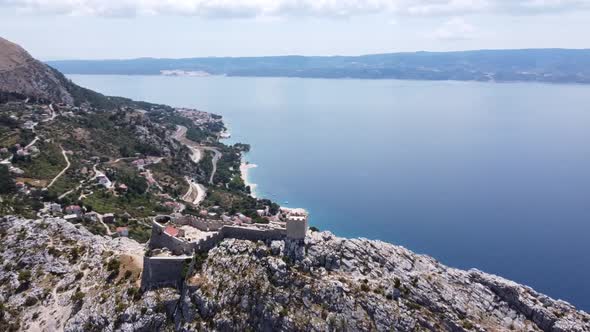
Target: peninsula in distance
x=526 y=65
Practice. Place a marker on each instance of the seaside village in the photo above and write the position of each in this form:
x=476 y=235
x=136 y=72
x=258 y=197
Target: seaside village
x=177 y=237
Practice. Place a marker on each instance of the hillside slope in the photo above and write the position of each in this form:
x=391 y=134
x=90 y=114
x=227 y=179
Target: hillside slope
x=21 y=73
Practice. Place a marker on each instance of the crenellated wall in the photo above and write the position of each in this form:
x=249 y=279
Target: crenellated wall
x=199 y=223
x=209 y=243
x=253 y=234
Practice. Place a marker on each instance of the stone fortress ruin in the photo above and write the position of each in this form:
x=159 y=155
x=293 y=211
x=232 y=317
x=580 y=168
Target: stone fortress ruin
x=176 y=239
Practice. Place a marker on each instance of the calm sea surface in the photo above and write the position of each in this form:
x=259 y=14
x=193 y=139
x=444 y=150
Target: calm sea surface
x=491 y=176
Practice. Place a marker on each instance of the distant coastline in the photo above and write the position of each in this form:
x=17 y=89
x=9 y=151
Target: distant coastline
x=528 y=65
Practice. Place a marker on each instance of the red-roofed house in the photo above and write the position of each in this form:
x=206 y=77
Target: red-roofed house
x=74 y=209
x=123 y=231
x=172 y=231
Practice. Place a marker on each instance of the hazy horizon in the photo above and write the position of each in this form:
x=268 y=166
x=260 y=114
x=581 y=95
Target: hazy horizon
x=316 y=55
x=90 y=29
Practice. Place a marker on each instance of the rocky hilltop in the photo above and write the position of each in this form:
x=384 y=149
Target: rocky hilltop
x=58 y=276
x=21 y=73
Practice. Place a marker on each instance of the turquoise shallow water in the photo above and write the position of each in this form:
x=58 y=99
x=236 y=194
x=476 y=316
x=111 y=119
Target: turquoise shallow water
x=492 y=176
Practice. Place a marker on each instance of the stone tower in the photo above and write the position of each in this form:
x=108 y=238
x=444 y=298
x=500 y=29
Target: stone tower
x=297 y=225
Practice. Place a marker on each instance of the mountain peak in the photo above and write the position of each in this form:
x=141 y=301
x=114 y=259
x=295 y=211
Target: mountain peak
x=12 y=55
x=21 y=73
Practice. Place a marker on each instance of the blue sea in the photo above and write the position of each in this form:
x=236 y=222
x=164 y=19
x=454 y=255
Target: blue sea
x=479 y=175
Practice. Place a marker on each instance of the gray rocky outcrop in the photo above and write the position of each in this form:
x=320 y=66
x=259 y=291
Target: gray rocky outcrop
x=325 y=283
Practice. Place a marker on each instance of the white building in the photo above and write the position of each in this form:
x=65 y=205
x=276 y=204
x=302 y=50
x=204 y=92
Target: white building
x=104 y=181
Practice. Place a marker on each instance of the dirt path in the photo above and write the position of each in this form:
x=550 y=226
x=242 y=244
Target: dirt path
x=53 y=114
x=63 y=152
x=106 y=227
x=32 y=143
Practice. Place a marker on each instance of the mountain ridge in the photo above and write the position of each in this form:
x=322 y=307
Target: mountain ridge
x=529 y=65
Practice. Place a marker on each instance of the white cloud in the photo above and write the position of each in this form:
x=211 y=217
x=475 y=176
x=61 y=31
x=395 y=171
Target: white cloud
x=455 y=29
x=278 y=8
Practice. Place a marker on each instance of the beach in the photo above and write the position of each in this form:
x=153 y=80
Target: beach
x=244 y=170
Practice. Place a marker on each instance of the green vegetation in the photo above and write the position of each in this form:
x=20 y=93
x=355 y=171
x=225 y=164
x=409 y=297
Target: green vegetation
x=228 y=167
x=134 y=293
x=45 y=166
x=235 y=202
x=138 y=206
x=93 y=227
x=365 y=287
x=467 y=325
x=7 y=185
x=30 y=301
x=137 y=231
x=24 y=276
x=200 y=259
x=78 y=296
x=113 y=265
x=136 y=184
x=9 y=319
x=8 y=122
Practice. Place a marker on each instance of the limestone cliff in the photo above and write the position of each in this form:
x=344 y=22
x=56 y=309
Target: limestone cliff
x=57 y=276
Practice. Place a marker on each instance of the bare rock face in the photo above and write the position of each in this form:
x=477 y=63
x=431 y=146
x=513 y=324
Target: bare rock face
x=21 y=73
x=329 y=283
x=56 y=276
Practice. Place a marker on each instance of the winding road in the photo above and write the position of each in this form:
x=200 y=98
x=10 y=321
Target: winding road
x=216 y=156
x=180 y=135
x=64 y=153
x=196 y=192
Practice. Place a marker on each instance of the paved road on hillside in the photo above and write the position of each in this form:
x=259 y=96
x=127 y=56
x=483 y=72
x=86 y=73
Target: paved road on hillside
x=180 y=135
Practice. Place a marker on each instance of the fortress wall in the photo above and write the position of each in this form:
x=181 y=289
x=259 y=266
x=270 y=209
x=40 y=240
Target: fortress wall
x=169 y=271
x=163 y=271
x=200 y=224
x=159 y=239
x=252 y=234
x=206 y=225
x=210 y=242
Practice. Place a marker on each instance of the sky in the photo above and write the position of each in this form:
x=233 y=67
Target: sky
x=115 y=29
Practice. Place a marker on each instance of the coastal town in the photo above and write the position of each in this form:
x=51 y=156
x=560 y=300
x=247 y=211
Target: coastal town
x=172 y=216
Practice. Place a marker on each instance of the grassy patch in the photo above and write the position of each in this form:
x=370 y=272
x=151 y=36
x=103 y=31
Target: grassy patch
x=45 y=166
x=138 y=206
